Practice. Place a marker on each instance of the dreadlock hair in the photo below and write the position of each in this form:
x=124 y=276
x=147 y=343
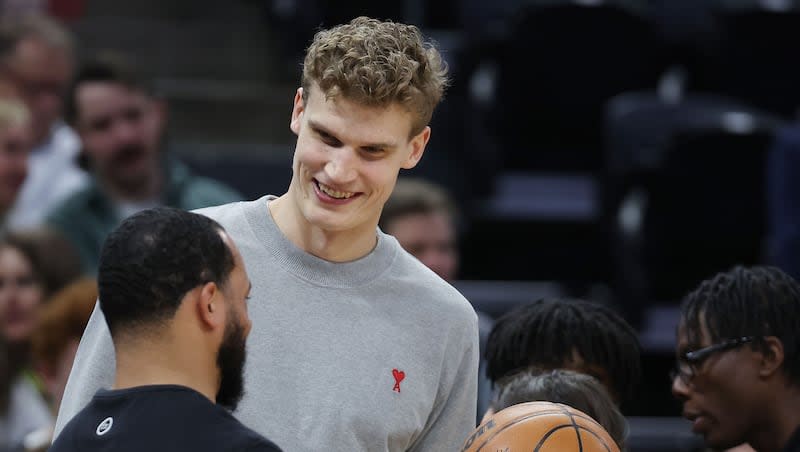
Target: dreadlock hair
x=549 y=332
x=757 y=301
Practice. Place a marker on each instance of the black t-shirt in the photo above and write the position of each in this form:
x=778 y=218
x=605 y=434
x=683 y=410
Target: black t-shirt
x=793 y=445
x=154 y=419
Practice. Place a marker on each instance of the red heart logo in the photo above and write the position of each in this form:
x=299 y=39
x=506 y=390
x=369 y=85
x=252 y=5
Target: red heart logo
x=399 y=375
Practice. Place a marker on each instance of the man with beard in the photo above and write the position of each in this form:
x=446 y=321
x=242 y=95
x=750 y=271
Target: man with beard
x=173 y=288
x=121 y=126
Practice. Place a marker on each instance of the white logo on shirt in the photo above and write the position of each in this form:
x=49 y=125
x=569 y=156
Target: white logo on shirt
x=104 y=426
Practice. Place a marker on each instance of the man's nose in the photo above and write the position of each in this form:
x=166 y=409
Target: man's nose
x=679 y=388
x=341 y=166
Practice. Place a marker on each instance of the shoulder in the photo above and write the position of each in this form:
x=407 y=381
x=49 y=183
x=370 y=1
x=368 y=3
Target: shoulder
x=229 y=215
x=210 y=191
x=76 y=202
x=228 y=433
x=437 y=296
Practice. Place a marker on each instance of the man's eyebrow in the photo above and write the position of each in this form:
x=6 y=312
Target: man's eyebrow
x=319 y=128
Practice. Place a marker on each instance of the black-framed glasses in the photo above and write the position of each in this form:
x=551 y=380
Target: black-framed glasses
x=689 y=362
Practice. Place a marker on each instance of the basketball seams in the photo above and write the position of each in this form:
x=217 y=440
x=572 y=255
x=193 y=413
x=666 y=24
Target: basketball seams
x=574 y=425
x=514 y=422
x=550 y=433
x=575 y=419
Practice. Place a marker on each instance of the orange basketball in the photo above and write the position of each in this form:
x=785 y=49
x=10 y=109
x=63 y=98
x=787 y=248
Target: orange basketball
x=540 y=427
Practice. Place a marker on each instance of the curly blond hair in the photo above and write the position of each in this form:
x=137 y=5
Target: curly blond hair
x=377 y=63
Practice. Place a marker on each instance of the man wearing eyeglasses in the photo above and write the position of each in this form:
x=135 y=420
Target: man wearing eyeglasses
x=738 y=369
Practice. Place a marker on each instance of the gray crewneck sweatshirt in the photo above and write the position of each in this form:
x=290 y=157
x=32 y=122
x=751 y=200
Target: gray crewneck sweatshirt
x=378 y=354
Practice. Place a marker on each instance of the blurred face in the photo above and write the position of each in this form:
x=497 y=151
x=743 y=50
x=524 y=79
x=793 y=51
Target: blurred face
x=20 y=296
x=431 y=238
x=121 y=130
x=719 y=396
x=347 y=160
x=232 y=350
x=15 y=144
x=41 y=73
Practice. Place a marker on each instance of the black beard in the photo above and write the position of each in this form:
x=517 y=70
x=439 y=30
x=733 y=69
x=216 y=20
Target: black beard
x=230 y=361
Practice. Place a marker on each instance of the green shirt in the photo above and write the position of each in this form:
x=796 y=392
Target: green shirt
x=88 y=216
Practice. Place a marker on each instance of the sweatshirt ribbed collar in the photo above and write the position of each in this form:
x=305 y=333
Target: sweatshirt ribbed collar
x=312 y=268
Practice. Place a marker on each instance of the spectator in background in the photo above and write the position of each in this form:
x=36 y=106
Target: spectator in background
x=61 y=323
x=578 y=335
x=33 y=265
x=738 y=369
x=36 y=54
x=121 y=125
x=580 y=391
x=15 y=145
x=174 y=291
x=54 y=343
x=423 y=218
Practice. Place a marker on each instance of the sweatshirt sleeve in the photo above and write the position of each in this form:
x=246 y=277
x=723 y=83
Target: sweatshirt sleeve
x=453 y=418
x=93 y=369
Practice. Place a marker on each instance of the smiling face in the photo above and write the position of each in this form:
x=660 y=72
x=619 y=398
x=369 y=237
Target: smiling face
x=347 y=160
x=20 y=296
x=15 y=145
x=724 y=398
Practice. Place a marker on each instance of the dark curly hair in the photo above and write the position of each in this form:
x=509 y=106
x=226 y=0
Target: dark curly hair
x=755 y=301
x=152 y=260
x=547 y=333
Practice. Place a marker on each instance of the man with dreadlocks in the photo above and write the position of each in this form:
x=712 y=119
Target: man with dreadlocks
x=738 y=352
x=578 y=335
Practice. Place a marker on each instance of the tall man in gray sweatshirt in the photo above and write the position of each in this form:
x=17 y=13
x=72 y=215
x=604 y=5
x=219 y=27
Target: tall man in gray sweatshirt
x=356 y=345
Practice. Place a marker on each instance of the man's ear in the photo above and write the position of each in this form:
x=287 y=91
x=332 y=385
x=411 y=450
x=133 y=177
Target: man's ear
x=772 y=356
x=297 y=111
x=210 y=307
x=418 y=144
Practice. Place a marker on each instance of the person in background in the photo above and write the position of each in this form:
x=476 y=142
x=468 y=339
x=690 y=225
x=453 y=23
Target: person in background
x=55 y=340
x=37 y=56
x=33 y=265
x=424 y=219
x=738 y=370
x=578 y=335
x=580 y=391
x=62 y=320
x=174 y=291
x=15 y=146
x=121 y=125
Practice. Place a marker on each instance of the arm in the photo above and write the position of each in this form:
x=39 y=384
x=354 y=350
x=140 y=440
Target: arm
x=453 y=416
x=93 y=369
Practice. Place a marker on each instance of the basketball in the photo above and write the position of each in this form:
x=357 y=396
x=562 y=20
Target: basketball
x=540 y=427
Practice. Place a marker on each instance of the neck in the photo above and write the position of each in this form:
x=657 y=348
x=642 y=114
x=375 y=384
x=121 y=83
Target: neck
x=146 y=363
x=780 y=423
x=333 y=246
